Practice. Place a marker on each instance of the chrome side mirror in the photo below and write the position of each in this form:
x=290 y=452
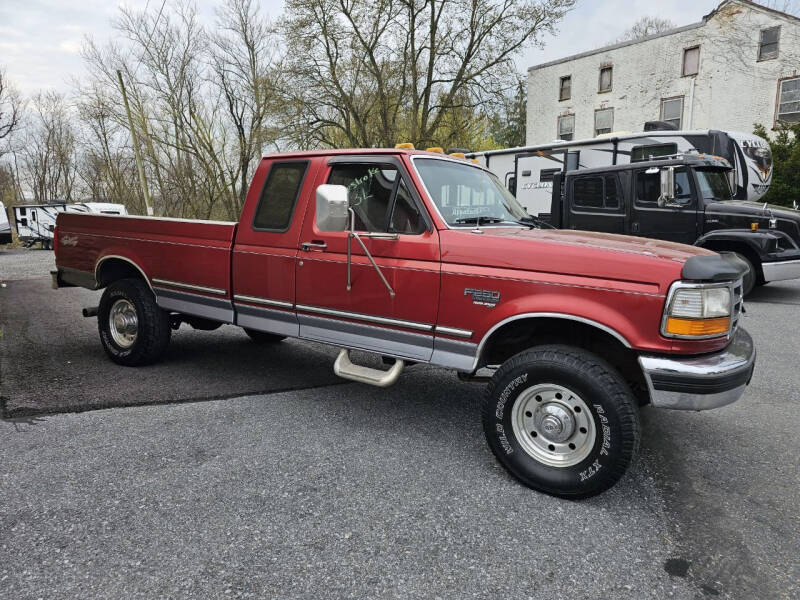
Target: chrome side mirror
x=332 y=205
x=667 y=186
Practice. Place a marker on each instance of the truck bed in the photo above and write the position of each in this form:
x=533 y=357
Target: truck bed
x=180 y=258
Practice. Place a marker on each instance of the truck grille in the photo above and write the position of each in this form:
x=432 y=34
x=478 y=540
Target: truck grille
x=738 y=303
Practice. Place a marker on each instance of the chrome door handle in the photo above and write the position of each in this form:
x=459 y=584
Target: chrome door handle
x=313 y=244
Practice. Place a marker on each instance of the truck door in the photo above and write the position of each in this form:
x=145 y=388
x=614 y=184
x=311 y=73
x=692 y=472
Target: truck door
x=395 y=316
x=676 y=224
x=265 y=249
x=595 y=203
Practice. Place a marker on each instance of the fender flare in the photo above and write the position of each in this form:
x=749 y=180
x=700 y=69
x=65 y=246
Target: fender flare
x=125 y=259
x=762 y=243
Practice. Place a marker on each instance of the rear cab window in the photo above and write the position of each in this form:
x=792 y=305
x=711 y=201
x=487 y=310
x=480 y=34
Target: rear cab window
x=279 y=196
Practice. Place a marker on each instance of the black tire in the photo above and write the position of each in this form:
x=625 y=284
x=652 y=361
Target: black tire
x=598 y=387
x=751 y=277
x=152 y=329
x=262 y=337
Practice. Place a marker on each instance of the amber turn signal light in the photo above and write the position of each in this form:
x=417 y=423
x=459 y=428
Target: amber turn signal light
x=698 y=327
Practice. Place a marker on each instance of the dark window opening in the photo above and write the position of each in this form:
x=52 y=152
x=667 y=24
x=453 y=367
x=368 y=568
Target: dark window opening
x=596 y=192
x=640 y=153
x=279 y=196
x=605 y=79
x=565 y=88
x=768 y=43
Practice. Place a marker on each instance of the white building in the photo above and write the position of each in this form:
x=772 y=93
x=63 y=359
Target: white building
x=739 y=66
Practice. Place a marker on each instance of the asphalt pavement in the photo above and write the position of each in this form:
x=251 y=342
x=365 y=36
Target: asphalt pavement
x=298 y=485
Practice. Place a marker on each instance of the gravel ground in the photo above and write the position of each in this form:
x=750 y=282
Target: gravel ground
x=25 y=264
x=338 y=490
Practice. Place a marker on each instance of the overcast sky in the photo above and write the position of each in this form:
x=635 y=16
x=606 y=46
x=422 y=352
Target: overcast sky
x=40 y=40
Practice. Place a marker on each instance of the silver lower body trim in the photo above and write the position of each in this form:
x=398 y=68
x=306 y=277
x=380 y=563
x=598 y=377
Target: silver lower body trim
x=270 y=320
x=779 y=271
x=264 y=301
x=216 y=309
x=453 y=354
x=389 y=342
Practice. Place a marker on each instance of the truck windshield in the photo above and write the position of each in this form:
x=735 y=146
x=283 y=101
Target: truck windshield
x=467 y=195
x=713 y=184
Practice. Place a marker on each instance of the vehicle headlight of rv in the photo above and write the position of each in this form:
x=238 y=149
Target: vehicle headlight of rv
x=697 y=311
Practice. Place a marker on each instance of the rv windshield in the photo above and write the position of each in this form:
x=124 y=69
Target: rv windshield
x=467 y=196
x=713 y=184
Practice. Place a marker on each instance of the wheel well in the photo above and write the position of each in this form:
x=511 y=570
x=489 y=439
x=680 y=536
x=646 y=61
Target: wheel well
x=522 y=334
x=741 y=248
x=114 y=269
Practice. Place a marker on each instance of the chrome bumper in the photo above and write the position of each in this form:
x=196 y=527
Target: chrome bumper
x=701 y=382
x=778 y=271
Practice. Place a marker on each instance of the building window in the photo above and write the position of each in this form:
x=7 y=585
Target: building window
x=603 y=121
x=691 y=61
x=605 y=80
x=672 y=111
x=566 y=127
x=789 y=100
x=768 y=43
x=565 y=88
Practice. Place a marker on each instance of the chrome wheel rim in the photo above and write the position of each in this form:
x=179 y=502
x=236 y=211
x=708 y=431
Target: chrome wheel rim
x=553 y=425
x=123 y=323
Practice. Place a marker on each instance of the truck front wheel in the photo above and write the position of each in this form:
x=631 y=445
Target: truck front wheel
x=562 y=421
x=133 y=329
x=750 y=278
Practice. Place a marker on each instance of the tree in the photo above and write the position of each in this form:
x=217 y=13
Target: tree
x=507 y=125
x=11 y=106
x=785 y=146
x=373 y=72
x=644 y=27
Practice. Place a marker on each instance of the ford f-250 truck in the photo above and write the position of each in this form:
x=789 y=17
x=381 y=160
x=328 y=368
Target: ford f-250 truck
x=425 y=258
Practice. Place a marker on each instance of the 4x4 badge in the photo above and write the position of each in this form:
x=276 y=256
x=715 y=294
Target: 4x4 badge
x=483 y=297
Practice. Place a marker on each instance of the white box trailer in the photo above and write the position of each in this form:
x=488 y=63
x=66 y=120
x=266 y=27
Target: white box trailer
x=36 y=222
x=528 y=171
x=5 y=226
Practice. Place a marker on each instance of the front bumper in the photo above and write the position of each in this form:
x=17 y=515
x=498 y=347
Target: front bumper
x=701 y=382
x=778 y=271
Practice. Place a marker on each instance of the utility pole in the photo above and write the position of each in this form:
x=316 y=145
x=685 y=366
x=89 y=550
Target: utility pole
x=136 y=152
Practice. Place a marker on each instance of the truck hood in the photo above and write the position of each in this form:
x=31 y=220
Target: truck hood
x=600 y=256
x=739 y=214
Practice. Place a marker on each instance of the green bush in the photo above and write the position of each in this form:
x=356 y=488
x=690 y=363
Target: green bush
x=785 y=144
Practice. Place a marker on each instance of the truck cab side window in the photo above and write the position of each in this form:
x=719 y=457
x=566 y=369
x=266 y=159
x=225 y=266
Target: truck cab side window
x=279 y=196
x=379 y=198
x=648 y=187
x=595 y=192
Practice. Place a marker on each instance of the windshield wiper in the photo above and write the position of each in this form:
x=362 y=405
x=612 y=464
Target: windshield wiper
x=533 y=223
x=478 y=220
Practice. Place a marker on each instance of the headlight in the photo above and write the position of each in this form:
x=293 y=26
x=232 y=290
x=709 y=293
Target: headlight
x=697 y=311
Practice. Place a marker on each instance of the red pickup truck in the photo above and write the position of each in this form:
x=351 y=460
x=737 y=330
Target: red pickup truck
x=426 y=258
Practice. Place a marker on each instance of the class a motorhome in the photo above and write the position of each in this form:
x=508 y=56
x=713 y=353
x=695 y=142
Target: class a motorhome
x=36 y=222
x=5 y=226
x=528 y=171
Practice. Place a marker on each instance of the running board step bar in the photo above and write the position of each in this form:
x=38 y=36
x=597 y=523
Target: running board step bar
x=347 y=370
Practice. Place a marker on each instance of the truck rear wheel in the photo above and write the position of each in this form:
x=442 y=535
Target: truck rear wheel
x=262 y=337
x=562 y=421
x=133 y=329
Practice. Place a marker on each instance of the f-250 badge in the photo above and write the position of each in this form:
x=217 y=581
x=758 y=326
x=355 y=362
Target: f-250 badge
x=488 y=298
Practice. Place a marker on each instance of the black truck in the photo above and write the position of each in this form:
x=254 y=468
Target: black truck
x=684 y=198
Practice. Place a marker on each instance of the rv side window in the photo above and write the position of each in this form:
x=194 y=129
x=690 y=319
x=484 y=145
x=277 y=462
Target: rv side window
x=640 y=153
x=547 y=174
x=595 y=192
